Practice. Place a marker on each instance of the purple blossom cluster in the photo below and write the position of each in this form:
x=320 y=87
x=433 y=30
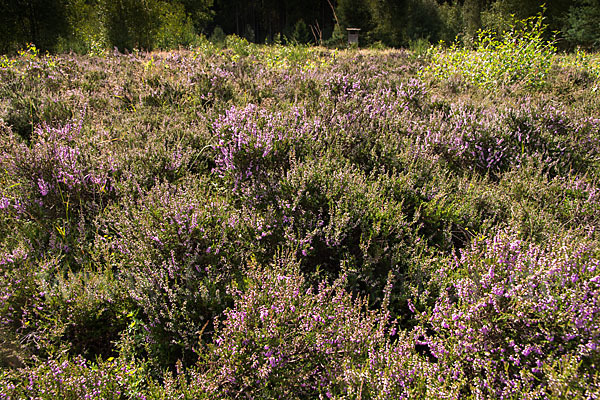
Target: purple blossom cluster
x=53 y=166
x=176 y=247
x=76 y=379
x=253 y=143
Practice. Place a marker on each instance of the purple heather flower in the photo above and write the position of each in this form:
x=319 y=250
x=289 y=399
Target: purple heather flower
x=43 y=186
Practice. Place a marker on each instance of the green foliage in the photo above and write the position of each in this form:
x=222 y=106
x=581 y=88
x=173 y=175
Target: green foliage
x=389 y=17
x=520 y=55
x=87 y=26
x=239 y=45
x=502 y=14
x=218 y=37
x=301 y=32
x=338 y=38
x=471 y=12
x=131 y=24
x=42 y=22
x=582 y=23
x=500 y=17
x=200 y=13
x=87 y=33
x=451 y=17
x=275 y=56
x=424 y=21
x=148 y=24
x=176 y=27
x=75 y=378
x=354 y=14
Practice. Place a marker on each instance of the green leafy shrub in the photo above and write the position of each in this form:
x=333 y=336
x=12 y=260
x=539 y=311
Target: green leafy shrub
x=519 y=56
x=176 y=27
x=580 y=22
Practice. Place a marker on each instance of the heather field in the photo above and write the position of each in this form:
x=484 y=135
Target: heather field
x=256 y=222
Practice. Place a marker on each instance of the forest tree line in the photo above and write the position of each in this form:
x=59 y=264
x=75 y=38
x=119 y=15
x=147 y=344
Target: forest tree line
x=85 y=25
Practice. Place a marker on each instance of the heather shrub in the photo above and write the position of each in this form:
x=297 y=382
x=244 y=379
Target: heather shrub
x=468 y=138
x=565 y=139
x=30 y=88
x=284 y=338
x=213 y=88
x=176 y=82
x=450 y=210
x=367 y=125
x=49 y=311
x=160 y=92
x=340 y=219
x=24 y=112
x=495 y=140
x=27 y=112
x=145 y=227
x=55 y=188
x=144 y=148
x=89 y=311
x=281 y=339
x=543 y=205
x=509 y=312
x=176 y=248
x=12 y=353
x=21 y=294
x=53 y=171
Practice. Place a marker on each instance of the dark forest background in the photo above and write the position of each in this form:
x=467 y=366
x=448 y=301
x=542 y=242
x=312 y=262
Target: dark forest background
x=85 y=25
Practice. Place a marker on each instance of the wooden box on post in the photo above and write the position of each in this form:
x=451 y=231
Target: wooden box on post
x=353 y=36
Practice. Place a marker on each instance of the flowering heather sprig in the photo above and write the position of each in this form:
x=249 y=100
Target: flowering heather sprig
x=56 y=185
x=494 y=140
x=334 y=214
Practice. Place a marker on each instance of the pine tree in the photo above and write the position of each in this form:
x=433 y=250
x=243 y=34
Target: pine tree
x=390 y=18
x=583 y=20
x=354 y=14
